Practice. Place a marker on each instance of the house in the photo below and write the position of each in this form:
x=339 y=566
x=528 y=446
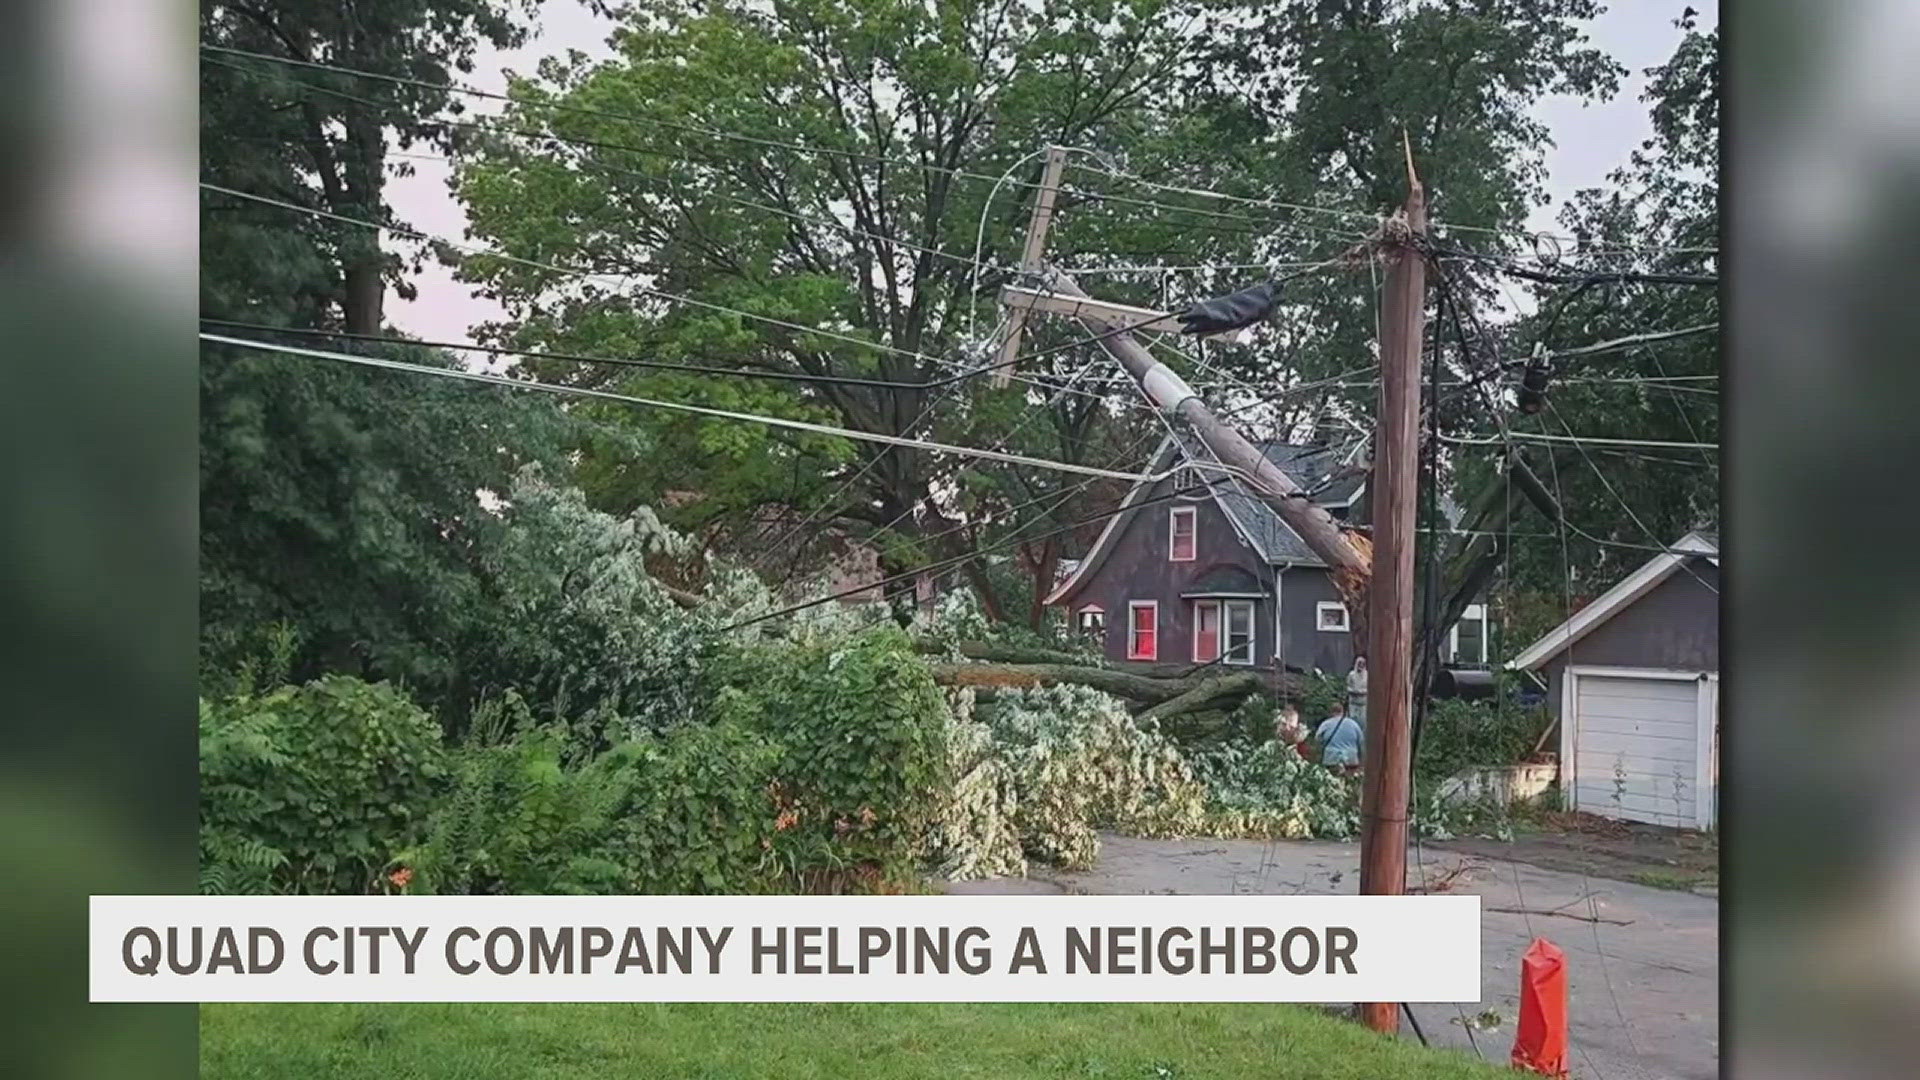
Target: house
x=1634 y=678
x=1193 y=568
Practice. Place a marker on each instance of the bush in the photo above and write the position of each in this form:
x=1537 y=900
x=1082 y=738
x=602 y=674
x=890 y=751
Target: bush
x=861 y=728
x=683 y=812
x=1462 y=734
x=311 y=789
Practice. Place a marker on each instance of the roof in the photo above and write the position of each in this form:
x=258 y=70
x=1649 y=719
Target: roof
x=1694 y=545
x=1312 y=466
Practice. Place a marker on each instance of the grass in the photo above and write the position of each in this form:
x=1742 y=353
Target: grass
x=874 y=1042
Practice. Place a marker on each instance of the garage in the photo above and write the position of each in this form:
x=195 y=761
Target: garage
x=1641 y=746
x=1634 y=680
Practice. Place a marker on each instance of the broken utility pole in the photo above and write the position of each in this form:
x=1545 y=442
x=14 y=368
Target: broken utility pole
x=1032 y=257
x=1344 y=552
x=1386 y=777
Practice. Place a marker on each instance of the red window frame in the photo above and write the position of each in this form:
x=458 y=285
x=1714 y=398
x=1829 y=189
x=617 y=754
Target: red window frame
x=1174 y=517
x=1143 y=636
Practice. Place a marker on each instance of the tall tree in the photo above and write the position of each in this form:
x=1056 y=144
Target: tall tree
x=1658 y=214
x=820 y=163
x=830 y=163
x=343 y=502
x=328 y=151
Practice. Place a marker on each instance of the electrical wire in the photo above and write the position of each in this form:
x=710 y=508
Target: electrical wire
x=675 y=406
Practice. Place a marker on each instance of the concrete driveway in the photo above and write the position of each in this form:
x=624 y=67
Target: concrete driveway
x=1643 y=984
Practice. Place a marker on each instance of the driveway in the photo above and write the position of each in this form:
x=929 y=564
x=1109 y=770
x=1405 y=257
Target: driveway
x=1643 y=981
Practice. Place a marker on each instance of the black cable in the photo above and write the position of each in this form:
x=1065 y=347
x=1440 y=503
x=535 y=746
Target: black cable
x=1510 y=266
x=495 y=350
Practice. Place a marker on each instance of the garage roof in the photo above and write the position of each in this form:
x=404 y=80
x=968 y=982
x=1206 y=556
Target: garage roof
x=1702 y=545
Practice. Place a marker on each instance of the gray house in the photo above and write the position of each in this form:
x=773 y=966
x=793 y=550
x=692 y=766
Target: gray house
x=1194 y=569
x=1634 y=678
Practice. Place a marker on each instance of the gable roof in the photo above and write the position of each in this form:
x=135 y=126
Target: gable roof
x=1702 y=545
x=1313 y=467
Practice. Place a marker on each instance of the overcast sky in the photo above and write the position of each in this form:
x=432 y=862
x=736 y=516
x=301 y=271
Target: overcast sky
x=1589 y=140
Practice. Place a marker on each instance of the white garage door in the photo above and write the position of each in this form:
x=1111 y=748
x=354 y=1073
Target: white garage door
x=1643 y=746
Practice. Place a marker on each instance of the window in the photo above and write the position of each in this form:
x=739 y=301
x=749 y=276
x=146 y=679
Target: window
x=1143 y=630
x=1467 y=641
x=1331 y=616
x=1223 y=623
x=1239 y=631
x=1093 y=621
x=1206 y=631
x=1180 y=529
x=1190 y=483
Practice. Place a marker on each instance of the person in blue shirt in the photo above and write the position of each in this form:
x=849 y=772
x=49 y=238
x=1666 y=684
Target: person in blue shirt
x=1340 y=737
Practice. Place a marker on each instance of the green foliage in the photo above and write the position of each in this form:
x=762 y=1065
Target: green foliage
x=577 y=624
x=1068 y=760
x=1266 y=790
x=311 y=789
x=1318 y=693
x=681 y=812
x=862 y=730
x=1462 y=734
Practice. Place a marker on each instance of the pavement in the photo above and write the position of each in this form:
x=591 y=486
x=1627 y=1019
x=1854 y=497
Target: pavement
x=1643 y=985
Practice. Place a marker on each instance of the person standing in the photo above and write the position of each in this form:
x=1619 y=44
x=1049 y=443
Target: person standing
x=1357 y=690
x=1340 y=737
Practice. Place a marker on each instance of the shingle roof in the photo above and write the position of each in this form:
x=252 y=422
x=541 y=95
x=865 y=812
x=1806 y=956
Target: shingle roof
x=1310 y=466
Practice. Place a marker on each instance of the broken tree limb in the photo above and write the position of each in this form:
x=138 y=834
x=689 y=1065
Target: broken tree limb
x=1211 y=694
x=1010 y=654
x=1015 y=676
x=1137 y=688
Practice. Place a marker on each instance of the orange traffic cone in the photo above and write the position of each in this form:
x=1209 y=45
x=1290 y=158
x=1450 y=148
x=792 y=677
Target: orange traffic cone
x=1540 y=1044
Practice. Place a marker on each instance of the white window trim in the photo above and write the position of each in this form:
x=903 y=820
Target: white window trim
x=1193 y=635
x=1226 y=623
x=1192 y=514
x=1319 y=617
x=1132 y=629
x=1079 y=616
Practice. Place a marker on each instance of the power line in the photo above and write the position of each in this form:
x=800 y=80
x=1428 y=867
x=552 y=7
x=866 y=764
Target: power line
x=576 y=358
x=966 y=372
x=1467 y=440
x=1598 y=277
x=675 y=406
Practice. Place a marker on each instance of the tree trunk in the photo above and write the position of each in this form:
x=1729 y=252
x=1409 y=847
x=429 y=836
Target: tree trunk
x=1222 y=692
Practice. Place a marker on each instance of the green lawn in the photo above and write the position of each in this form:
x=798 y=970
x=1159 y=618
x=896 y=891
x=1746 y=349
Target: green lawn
x=874 y=1042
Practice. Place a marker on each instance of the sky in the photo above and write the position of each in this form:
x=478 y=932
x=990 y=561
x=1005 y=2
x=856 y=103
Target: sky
x=1590 y=140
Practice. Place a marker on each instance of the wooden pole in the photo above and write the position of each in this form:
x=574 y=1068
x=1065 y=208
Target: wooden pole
x=1032 y=257
x=1387 y=768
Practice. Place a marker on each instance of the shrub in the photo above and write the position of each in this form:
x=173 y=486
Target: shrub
x=862 y=732
x=685 y=811
x=313 y=788
x=1461 y=734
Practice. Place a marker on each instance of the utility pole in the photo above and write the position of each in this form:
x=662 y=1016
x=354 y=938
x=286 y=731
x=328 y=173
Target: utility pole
x=1387 y=776
x=1032 y=257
